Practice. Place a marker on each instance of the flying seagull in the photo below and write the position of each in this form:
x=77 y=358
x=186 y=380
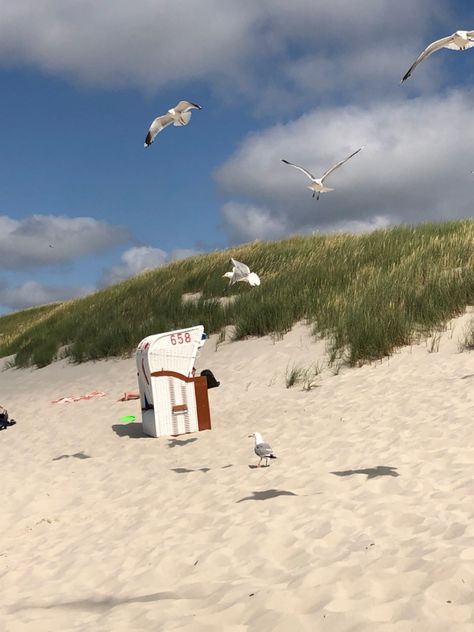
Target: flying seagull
x=317 y=184
x=241 y=272
x=457 y=41
x=262 y=449
x=179 y=115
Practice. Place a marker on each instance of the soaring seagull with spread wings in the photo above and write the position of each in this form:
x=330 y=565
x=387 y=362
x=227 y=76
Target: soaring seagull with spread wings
x=457 y=41
x=317 y=184
x=262 y=449
x=241 y=272
x=179 y=115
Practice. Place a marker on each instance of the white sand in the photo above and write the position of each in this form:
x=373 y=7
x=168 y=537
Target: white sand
x=182 y=535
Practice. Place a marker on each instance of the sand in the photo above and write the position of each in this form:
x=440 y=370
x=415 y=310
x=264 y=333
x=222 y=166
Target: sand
x=364 y=523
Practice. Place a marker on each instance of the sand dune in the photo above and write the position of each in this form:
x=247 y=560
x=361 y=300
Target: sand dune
x=364 y=523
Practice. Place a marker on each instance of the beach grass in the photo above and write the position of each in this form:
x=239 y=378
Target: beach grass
x=367 y=294
x=468 y=340
x=16 y=323
x=305 y=376
x=293 y=375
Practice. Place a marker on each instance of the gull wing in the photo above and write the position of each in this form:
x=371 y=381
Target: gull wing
x=307 y=173
x=184 y=106
x=155 y=128
x=263 y=449
x=441 y=43
x=253 y=279
x=339 y=164
x=240 y=269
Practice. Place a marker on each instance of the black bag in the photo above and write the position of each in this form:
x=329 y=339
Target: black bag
x=4 y=423
x=211 y=380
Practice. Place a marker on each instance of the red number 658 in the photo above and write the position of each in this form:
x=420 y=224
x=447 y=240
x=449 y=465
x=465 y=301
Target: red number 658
x=179 y=339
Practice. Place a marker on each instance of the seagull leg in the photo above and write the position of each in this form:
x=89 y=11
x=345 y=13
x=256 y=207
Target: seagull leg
x=259 y=462
x=318 y=196
x=314 y=193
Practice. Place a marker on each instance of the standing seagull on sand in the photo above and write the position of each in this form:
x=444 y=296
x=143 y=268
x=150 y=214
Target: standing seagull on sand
x=262 y=449
x=457 y=41
x=317 y=184
x=241 y=272
x=179 y=115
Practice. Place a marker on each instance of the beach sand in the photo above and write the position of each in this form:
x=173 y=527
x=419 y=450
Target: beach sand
x=364 y=523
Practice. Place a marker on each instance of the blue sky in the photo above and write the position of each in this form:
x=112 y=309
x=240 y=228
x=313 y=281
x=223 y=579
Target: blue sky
x=308 y=81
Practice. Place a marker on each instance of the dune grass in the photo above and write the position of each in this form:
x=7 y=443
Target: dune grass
x=306 y=376
x=366 y=293
x=467 y=344
x=16 y=323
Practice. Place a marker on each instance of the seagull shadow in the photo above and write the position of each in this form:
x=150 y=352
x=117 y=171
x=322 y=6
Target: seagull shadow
x=173 y=443
x=77 y=455
x=268 y=493
x=100 y=605
x=184 y=470
x=204 y=470
x=133 y=430
x=371 y=472
x=465 y=377
x=258 y=467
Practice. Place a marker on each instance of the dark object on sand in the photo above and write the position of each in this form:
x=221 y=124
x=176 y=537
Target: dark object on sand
x=211 y=380
x=77 y=455
x=4 y=421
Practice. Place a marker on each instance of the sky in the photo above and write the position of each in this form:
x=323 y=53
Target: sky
x=83 y=204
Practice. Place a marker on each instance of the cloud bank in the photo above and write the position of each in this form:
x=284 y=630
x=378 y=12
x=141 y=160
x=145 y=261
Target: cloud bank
x=33 y=293
x=415 y=167
x=44 y=240
x=313 y=46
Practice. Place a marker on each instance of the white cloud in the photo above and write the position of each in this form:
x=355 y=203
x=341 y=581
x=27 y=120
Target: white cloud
x=246 y=222
x=41 y=240
x=141 y=258
x=415 y=167
x=33 y=293
x=134 y=260
x=261 y=48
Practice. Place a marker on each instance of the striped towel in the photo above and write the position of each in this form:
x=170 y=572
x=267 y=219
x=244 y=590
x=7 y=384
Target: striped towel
x=76 y=398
